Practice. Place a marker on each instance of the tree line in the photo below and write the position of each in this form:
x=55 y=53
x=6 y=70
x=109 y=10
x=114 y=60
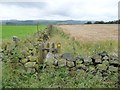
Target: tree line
x=102 y=22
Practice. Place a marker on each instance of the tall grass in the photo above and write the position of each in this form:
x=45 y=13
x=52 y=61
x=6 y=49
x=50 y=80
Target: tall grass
x=69 y=44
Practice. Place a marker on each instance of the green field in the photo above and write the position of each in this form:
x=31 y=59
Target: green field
x=20 y=31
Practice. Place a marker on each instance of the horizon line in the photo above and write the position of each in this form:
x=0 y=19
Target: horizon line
x=54 y=20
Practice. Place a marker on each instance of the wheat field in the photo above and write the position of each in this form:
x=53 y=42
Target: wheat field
x=92 y=32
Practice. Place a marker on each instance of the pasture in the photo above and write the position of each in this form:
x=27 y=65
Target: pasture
x=20 y=31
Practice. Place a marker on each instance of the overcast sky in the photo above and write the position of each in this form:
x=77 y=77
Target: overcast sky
x=59 y=10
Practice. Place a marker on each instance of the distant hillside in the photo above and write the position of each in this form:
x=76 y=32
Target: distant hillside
x=47 y=22
x=43 y=22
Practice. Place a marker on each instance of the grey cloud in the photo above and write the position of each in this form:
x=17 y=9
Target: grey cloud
x=60 y=13
x=74 y=9
x=26 y=4
x=61 y=10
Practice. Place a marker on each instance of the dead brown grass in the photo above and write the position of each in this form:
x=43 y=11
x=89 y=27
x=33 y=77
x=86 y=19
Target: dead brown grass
x=92 y=32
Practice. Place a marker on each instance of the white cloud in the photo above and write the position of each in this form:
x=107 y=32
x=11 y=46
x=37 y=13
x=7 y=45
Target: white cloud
x=61 y=9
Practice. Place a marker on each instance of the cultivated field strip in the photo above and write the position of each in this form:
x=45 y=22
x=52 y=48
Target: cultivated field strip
x=92 y=32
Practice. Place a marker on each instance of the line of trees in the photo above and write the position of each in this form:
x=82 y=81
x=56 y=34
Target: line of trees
x=102 y=22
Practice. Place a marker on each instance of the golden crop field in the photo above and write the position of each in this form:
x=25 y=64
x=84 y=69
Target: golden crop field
x=92 y=32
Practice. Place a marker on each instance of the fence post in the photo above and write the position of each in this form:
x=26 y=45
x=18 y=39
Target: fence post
x=50 y=27
x=53 y=45
x=46 y=49
x=40 y=53
x=48 y=45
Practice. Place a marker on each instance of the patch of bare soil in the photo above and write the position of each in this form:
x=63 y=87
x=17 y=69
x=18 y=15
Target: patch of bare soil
x=92 y=32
